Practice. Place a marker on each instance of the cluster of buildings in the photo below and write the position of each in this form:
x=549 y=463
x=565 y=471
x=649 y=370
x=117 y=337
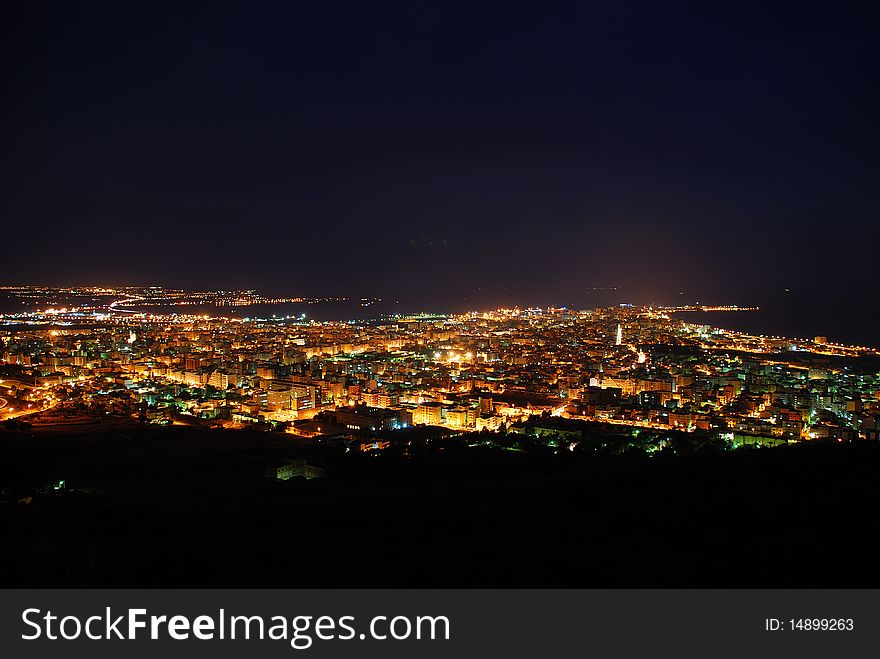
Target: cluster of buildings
x=625 y=366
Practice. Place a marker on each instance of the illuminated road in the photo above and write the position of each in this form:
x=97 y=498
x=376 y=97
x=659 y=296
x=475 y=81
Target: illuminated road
x=114 y=306
x=9 y=413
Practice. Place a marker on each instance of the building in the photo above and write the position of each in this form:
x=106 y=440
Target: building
x=370 y=419
x=430 y=413
x=287 y=469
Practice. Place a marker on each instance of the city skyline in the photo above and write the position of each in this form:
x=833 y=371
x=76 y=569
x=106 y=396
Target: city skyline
x=595 y=426
x=428 y=294
x=790 y=313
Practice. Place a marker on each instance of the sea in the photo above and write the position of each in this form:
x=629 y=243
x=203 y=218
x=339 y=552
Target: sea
x=793 y=316
x=786 y=313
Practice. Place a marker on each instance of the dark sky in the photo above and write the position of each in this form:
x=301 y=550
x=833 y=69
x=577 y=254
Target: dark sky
x=431 y=150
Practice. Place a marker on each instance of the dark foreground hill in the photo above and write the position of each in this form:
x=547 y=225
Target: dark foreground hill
x=185 y=507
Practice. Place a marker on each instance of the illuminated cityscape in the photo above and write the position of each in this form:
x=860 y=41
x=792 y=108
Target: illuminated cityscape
x=436 y=294
x=565 y=378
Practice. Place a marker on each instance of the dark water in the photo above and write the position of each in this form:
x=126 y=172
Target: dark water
x=354 y=309
x=351 y=310
x=796 y=314
x=853 y=323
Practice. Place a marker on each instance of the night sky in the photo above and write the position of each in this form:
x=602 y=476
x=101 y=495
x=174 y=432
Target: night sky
x=515 y=151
